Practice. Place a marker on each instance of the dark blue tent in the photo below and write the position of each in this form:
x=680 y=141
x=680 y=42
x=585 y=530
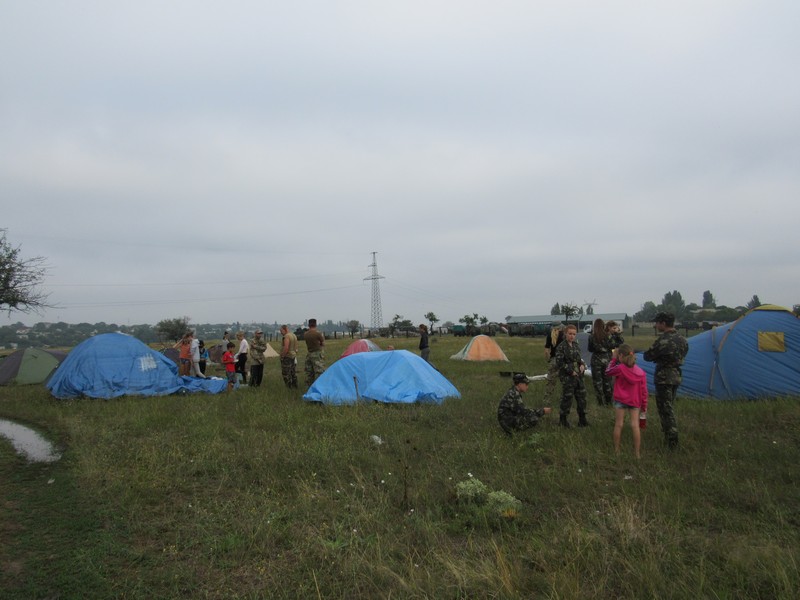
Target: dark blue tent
x=756 y=356
x=395 y=376
x=115 y=364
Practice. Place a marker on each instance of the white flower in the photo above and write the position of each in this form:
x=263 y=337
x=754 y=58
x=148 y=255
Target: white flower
x=469 y=474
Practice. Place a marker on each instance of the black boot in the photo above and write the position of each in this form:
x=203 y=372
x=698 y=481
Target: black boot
x=563 y=421
x=582 y=422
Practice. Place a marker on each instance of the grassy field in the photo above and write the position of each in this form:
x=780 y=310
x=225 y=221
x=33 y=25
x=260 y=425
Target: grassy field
x=258 y=494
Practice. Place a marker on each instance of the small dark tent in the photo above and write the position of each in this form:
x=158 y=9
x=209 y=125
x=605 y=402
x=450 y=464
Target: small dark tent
x=756 y=356
x=115 y=364
x=29 y=365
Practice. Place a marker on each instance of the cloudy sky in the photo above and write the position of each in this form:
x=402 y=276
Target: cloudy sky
x=241 y=160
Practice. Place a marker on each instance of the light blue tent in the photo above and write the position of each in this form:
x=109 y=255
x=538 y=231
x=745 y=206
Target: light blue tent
x=396 y=376
x=115 y=364
x=756 y=356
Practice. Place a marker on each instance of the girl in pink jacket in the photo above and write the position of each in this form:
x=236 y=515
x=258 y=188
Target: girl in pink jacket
x=630 y=393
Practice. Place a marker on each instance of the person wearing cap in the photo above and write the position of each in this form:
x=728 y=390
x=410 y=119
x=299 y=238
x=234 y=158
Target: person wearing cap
x=554 y=338
x=512 y=414
x=668 y=352
x=256 y=351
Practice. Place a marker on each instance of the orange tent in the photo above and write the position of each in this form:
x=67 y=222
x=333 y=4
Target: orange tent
x=481 y=347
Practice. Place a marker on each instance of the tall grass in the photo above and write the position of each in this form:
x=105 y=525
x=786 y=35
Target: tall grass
x=259 y=494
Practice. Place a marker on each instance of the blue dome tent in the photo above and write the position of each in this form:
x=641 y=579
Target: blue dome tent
x=396 y=376
x=115 y=364
x=756 y=356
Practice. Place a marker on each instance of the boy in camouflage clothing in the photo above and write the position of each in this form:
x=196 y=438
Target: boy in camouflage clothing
x=512 y=414
x=667 y=352
x=570 y=370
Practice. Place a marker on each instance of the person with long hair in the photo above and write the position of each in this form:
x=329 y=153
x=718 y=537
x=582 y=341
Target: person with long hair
x=630 y=394
x=603 y=339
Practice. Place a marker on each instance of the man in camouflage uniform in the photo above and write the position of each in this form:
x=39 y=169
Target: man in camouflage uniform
x=257 y=347
x=667 y=352
x=512 y=414
x=570 y=370
x=288 y=357
x=315 y=359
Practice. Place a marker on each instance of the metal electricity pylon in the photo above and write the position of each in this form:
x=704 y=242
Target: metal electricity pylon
x=376 y=318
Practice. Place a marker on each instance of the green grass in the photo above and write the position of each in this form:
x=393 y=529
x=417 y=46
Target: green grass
x=258 y=494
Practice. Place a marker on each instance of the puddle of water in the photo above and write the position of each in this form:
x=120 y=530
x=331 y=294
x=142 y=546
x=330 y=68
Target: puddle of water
x=28 y=442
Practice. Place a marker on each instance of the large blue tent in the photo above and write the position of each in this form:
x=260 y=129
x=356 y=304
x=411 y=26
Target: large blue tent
x=115 y=364
x=396 y=376
x=756 y=356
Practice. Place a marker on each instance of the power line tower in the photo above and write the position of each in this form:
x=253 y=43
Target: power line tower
x=376 y=318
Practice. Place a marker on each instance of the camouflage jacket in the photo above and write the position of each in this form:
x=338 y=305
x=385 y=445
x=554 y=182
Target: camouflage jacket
x=568 y=358
x=257 y=347
x=612 y=340
x=511 y=405
x=668 y=352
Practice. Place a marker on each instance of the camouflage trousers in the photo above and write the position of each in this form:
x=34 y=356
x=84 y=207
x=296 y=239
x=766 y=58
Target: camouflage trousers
x=552 y=379
x=315 y=366
x=289 y=371
x=665 y=398
x=602 y=383
x=511 y=423
x=572 y=388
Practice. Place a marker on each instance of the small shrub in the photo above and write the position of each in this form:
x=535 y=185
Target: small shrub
x=503 y=504
x=472 y=491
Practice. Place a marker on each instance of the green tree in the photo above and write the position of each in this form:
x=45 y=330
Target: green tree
x=353 y=326
x=569 y=310
x=394 y=323
x=754 y=303
x=647 y=314
x=432 y=319
x=673 y=303
x=708 y=300
x=556 y=310
x=172 y=329
x=20 y=279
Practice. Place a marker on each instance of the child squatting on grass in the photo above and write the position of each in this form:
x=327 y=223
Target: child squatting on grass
x=512 y=414
x=630 y=394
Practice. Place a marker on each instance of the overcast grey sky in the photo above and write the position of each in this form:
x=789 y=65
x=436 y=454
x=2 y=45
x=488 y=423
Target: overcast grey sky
x=241 y=160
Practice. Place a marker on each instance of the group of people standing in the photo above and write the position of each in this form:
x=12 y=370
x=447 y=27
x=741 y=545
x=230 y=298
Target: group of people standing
x=236 y=362
x=616 y=379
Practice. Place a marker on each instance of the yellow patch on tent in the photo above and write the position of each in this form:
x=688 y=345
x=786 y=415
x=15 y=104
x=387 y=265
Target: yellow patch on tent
x=771 y=341
x=270 y=352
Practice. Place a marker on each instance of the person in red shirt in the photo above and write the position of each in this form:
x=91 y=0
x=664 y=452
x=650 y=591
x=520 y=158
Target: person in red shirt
x=230 y=365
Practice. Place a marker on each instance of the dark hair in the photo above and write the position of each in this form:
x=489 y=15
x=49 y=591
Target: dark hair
x=666 y=318
x=312 y=322
x=599 y=333
x=231 y=344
